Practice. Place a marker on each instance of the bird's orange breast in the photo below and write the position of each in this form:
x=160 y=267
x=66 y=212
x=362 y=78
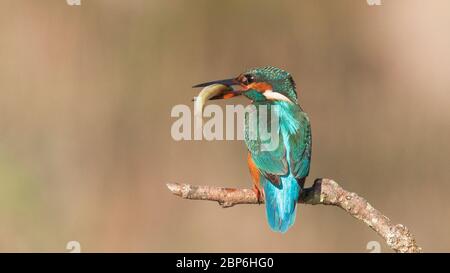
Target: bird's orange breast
x=254 y=172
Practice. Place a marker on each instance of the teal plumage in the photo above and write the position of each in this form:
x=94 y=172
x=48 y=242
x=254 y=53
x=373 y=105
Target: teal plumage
x=279 y=164
x=284 y=168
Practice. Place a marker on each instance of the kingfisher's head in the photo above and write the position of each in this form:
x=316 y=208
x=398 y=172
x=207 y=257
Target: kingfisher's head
x=264 y=84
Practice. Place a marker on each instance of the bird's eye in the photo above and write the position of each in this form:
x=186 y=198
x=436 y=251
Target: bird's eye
x=247 y=79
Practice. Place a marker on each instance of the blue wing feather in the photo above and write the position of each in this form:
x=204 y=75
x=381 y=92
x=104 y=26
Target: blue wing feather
x=284 y=166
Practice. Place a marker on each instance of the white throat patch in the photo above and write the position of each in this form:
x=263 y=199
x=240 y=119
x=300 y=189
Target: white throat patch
x=270 y=95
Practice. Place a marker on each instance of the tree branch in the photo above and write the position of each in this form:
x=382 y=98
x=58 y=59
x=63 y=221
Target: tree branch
x=324 y=192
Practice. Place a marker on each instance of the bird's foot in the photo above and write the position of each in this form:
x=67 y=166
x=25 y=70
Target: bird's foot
x=259 y=195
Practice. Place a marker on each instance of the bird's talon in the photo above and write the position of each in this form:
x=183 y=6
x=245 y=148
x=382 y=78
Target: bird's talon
x=259 y=195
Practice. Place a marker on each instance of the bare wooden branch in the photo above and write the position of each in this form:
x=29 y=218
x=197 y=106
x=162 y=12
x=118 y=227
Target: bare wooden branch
x=324 y=192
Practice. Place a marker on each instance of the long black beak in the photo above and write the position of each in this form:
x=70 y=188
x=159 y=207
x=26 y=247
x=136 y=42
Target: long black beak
x=227 y=82
x=226 y=94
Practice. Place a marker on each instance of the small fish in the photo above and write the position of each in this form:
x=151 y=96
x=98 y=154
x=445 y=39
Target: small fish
x=207 y=93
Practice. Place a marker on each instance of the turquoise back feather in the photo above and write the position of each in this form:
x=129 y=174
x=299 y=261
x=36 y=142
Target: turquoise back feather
x=284 y=167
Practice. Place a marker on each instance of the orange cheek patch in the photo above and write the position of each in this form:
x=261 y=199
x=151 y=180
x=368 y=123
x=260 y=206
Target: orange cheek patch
x=260 y=86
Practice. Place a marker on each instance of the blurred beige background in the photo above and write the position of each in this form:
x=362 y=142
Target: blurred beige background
x=85 y=100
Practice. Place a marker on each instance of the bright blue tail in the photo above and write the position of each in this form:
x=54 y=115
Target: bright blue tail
x=281 y=201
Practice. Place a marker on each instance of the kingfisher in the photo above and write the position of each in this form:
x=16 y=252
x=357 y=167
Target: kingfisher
x=279 y=173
